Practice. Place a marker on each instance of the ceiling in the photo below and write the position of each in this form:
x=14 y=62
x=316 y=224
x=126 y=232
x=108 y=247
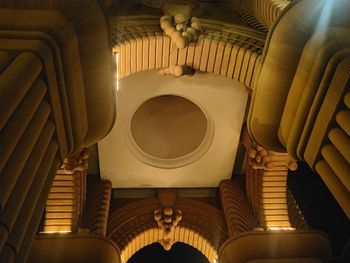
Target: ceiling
x=187 y=138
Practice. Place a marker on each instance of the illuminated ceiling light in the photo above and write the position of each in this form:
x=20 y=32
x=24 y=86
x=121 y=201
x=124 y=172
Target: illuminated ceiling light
x=56 y=232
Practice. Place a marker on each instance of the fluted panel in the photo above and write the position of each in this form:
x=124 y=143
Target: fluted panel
x=325 y=49
x=9 y=100
x=329 y=111
x=261 y=14
x=341 y=141
x=338 y=164
x=267 y=191
x=64 y=204
x=222 y=49
x=266 y=184
x=29 y=148
x=239 y=215
x=97 y=206
x=328 y=147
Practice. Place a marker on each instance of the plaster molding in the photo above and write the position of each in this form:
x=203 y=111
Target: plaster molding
x=221 y=48
x=133 y=227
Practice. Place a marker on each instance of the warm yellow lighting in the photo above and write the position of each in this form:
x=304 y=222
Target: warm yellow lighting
x=116 y=57
x=281 y=228
x=56 y=232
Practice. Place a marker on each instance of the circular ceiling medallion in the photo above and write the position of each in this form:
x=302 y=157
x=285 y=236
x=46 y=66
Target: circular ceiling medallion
x=170 y=131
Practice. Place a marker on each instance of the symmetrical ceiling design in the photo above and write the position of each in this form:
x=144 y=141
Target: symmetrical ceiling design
x=219 y=101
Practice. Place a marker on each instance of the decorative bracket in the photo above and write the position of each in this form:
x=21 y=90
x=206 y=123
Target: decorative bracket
x=177 y=24
x=167 y=219
x=76 y=162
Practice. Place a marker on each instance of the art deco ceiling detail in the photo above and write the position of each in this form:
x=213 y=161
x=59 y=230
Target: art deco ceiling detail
x=228 y=50
x=168 y=127
x=173 y=132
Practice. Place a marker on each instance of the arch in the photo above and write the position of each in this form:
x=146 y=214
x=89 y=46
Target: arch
x=224 y=49
x=181 y=234
x=133 y=227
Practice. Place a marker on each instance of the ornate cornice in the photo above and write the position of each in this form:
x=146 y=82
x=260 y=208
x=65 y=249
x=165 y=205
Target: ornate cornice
x=221 y=48
x=133 y=227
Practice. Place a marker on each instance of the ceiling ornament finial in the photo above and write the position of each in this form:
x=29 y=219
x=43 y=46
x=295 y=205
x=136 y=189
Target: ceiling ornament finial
x=178 y=25
x=167 y=219
x=77 y=161
x=261 y=158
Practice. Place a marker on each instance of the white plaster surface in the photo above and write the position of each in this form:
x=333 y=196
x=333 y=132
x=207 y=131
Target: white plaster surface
x=223 y=100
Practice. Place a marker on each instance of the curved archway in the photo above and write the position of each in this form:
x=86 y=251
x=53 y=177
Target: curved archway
x=133 y=227
x=181 y=234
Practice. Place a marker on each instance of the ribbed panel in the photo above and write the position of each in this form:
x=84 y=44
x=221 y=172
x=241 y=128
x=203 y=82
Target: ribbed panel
x=324 y=51
x=29 y=150
x=328 y=147
x=338 y=164
x=267 y=192
x=251 y=21
x=28 y=66
x=343 y=119
x=18 y=122
x=266 y=184
x=64 y=204
x=264 y=11
x=97 y=206
x=28 y=208
x=233 y=52
x=34 y=223
x=19 y=251
x=180 y=234
x=238 y=213
x=10 y=214
x=328 y=111
x=341 y=141
x=341 y=194
x=16 y=162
